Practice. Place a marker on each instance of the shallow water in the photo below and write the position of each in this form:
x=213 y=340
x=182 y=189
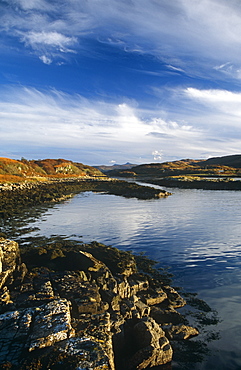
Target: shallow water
x=195 y=232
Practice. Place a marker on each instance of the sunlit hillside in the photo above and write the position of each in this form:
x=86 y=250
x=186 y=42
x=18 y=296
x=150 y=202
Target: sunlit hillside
x=19 y=170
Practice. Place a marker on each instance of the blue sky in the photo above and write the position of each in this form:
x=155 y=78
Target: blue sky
x=111 y=81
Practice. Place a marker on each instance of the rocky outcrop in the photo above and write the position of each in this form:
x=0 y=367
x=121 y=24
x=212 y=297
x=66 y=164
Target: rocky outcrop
x=65 y=308
x=16 y=197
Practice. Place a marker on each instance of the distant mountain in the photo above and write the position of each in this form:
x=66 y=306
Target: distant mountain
x=11 y=169
x=115 y=167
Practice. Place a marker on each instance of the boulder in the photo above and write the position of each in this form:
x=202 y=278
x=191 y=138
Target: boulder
x=166 y=316
x=153 y=348
x=9 y=259
x=52 y=323
x=180 y=332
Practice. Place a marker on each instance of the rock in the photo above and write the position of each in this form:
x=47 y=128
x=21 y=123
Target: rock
x=180 y=332
x=83 y=294
x=67 y=309
x=142 y=308
x=52 y=324
x=10 y=256
x=14 y=328
x=162 y=316
x=151 y=297
x=174 y=298
x=153 y=348
x=87 y=353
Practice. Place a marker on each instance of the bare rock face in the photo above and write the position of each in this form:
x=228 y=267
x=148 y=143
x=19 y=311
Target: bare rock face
x=65 y=308
x=153 y=347
x=52 y=323
x=180 y=332
x=9 y=259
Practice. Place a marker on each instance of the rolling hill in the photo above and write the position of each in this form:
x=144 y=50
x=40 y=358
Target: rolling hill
x=19 y=170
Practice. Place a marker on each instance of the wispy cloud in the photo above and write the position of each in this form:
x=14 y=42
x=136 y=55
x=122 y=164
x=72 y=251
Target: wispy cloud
x=58 y=120
x=29 y=117
x=222 y=101
x=182 y=30
x=49 y=39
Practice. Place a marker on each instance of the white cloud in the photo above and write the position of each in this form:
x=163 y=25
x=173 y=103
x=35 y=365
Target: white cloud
x=157 y=155
x=123 y=131
x=45 y=59
x=29 y=117
x=39 y=40
x=30 y=4
x=226 y=102
x=207 y=31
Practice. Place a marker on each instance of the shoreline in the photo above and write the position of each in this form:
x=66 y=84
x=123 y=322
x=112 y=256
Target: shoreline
x=192 y=182
x=16 y=196
x=69 y=304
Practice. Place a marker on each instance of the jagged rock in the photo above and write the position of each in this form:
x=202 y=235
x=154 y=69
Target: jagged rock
x=174 y=298
x=180 y=332
x=74 y=353
x=169 y=315
x=51 y=324
x=14 y=329
x=151 y=297
x=142 y=308
x=138 y=285
x=88 y=354
x=153 y=348
x=111 y=298
x=97 y=327
x=83 y=294
x=10 y=257
x=67 y=309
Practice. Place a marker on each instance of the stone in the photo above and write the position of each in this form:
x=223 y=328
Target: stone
x=142 y=308
x=10 y=258
x=174 y=298
x=14 y=329
x=88 y=354
x=84 y=295
x=68 y=309
x=151 y=297
x=51 y=324
x=180 y=332
x=162 y=316
x=153 y=348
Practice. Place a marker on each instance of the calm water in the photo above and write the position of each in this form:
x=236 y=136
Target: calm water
x=197 y=233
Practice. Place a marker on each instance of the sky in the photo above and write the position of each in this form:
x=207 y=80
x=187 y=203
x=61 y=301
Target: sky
x=116 y=81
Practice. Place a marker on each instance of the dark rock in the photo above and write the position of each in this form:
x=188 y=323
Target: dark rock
x=65 y=308
x=162 y=316
x=153 y=348
x=180 y=332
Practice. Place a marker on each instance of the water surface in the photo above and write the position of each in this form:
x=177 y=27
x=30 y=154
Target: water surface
x=195 y=232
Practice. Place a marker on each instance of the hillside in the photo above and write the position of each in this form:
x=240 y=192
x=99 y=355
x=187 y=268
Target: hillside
x=115 y=167
x=229 y=160
x=218 y=166
x=19 y=170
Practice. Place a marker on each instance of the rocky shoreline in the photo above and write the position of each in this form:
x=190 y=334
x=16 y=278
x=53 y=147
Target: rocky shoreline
x=85 y=306
x=17 y=196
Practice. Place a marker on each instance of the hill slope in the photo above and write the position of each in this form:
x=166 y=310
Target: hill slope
x=228 y=160
x=17 y=170
x=227 y=166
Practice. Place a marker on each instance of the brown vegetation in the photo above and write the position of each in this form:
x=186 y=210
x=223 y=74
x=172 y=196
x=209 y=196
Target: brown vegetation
x=12 y=170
